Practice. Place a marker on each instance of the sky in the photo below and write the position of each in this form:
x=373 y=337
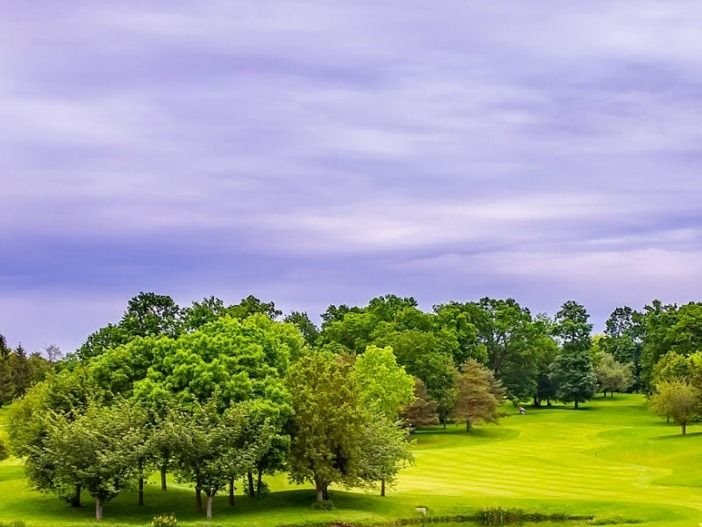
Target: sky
x=319 y=152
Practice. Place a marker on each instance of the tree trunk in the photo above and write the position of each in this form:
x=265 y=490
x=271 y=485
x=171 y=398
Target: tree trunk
x=259 y=482
x=141 y=490
x=252 y=492
x=684 y=428
x=611 y=395
x=232 y=500
x=382 y=487
x=75 y=499
x=98 y=508
x=198 y=499
x=209 y=506
x=576 y=404
x=468 y=425
x=164 y=484
x=321 y=490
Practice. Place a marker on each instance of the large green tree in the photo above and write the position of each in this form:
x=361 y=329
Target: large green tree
x=328 y=424
x=572 y=371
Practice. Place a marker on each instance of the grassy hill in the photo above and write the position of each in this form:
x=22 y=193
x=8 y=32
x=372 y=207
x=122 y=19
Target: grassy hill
x=611 y=459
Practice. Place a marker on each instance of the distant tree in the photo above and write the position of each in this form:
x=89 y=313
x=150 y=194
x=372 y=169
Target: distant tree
x=307 y=328
x=546 y=352
x=572 y=371
x=150 y=314
x=253 y=306
x=7 y=381
x=672 y=366
x=478 y=395
x=425 y=355
x=422 y=411
x=53 y=353
x=613 y=376
x=21 y=372
x=623 y=339
x=111 y=336
x=200 y=313
x=677 y=400
x=656 y=321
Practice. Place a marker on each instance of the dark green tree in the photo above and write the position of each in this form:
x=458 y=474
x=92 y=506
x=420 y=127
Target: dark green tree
x=572 y=371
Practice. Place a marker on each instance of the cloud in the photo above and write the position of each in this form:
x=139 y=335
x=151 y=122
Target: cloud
x=318 y=152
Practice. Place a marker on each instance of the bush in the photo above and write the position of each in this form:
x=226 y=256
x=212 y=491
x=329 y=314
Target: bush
x=327 y=505
x=164 y=520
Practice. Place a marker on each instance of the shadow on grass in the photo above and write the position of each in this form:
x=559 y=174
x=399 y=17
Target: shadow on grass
x=677 y=437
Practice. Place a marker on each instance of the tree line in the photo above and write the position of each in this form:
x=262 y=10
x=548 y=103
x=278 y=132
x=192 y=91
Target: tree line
x=219 y=394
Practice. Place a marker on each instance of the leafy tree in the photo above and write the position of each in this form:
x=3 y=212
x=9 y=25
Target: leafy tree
x=623 y=339
x=328 y=423
x=111 y=336
x=96 y=449
x=572 y=371
x=150 y=314
x=253 y=306
x=385 y=388
x=478 y=395
x=457 y=318
x=68 y=394
x=200 y=313
x=385 y=451
x=672 y=366
x=307 y=328
x=212 y=445
x=425 y=355
x=613 y=376
x=657 y=319
x=677 y=400
x=422 y=411
x=546 y=350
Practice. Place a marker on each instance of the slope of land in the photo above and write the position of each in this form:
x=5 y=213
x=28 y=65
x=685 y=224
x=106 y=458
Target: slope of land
x=611 y=459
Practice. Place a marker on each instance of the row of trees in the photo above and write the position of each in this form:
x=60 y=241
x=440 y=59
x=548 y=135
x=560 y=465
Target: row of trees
x=233 y=400
x=19 y=371
x=215 y=393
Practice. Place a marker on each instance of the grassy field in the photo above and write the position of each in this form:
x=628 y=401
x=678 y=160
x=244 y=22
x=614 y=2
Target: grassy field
x=611 y=459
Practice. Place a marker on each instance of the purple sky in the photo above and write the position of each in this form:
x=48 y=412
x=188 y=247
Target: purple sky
x=326 y=152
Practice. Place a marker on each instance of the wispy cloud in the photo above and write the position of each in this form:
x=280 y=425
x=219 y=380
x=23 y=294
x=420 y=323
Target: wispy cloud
x=317 y=152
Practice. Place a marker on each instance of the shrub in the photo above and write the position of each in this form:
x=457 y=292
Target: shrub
x=164 y=520
x=327 y=505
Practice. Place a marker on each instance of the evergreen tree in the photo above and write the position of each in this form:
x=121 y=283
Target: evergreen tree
x=479 y=395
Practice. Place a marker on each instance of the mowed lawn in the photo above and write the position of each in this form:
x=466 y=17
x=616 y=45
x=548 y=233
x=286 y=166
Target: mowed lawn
x=611 y=459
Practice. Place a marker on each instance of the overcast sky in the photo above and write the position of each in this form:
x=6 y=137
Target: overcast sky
x=317 y=152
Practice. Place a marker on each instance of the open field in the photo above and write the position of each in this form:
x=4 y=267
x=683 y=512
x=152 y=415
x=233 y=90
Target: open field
x=612 y=459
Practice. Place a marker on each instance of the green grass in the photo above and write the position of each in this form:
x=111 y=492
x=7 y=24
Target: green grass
x=612 y=459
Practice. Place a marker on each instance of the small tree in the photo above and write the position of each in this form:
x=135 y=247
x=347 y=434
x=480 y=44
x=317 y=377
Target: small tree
x=478 y=396
x=613 y=376
x=422 y=411
x=385 y=452
x=677 y=400
x=96 y=449
x=212 y=445
x=328 y=423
